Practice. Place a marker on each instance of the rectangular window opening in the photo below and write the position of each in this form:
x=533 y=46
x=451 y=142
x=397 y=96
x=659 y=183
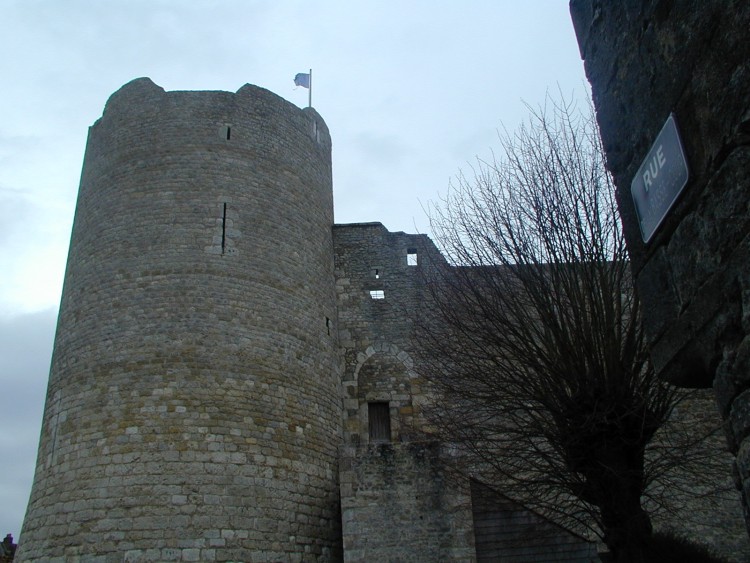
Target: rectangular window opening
x=411 y=257
x=376 y=273
x=229 y=132
x=377 y=294
x=379 y=420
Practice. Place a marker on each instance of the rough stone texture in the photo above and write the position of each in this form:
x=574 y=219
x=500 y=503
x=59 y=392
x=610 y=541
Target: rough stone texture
x=713 y=516
x=397 y=505
x=217 y=348
x=215 y=357
x=193 y=408
x=505 y=531
x=645 y=59
x=376 y=334
x=400 y=500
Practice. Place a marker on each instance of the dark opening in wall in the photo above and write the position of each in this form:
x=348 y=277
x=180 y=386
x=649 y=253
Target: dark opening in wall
x=224 y=229
x=225 y=132
x=376 y=273
x=379 y=420
x=411 y=257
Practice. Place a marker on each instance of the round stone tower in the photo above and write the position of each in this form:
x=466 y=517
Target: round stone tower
x=193 y=409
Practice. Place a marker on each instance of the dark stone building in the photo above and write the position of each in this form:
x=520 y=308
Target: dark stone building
x=647 y=60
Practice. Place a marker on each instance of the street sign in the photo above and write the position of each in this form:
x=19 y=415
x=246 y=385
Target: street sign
x=660 y=179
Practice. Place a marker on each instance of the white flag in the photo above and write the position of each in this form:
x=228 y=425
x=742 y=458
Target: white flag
x=302 y=79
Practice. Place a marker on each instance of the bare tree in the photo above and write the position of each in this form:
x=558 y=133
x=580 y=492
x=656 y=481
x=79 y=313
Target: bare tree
x=533 y=340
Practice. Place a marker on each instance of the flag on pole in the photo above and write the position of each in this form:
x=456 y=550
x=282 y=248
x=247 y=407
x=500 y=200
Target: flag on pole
x=302 y=79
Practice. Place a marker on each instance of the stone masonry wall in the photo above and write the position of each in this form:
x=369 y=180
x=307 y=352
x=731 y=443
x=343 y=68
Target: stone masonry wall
x=396 y=503
x=375 y=330
x=193 y=409
x=401 y=498
x=710 y=513
x=646 y=59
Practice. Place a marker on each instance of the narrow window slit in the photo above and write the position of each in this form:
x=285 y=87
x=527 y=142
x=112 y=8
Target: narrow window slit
x=224 y=226
x=328 y=326
x=316 y=133
x=229 y=132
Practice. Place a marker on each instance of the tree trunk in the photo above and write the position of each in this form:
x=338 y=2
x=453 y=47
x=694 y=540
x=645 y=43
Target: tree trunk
x=627 y=528
x=615 y=483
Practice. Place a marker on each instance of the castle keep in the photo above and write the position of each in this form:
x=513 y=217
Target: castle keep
x=233 y=377
x=195 y=378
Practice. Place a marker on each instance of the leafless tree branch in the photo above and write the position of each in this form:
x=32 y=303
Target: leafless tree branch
x=533 y=339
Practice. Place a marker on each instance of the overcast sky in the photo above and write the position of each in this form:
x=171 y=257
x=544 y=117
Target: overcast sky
x=412 y=92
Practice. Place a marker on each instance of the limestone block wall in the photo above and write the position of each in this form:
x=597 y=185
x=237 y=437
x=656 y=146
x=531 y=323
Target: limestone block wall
x=645 y=60
x=402 y=499
x=398 y=505
x=379 y=291
x=713 y=516
x=397 y=502
x=506 y=531
x=193 y=409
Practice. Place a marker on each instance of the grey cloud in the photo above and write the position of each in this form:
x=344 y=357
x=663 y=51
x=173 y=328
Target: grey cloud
x=14 y=212
x=25 y=351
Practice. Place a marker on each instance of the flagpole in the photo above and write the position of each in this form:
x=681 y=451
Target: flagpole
x=309 y=92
